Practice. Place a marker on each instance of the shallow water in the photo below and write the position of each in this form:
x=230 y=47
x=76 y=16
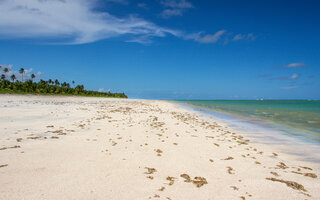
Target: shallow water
x=296 y=117
x=286 y=139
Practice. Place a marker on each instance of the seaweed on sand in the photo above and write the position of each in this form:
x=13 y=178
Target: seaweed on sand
x=150 y=170
x=229 y=158
x=186 y=177
x=199 y=181
x=13 y=147
x=4 y=165
x=171 y=180
x=291 y=184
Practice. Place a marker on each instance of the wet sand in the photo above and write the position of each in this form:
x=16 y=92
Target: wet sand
x=98 y=148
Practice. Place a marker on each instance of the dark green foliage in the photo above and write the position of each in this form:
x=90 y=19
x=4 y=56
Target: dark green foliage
x=50 y=88
x=13 y=77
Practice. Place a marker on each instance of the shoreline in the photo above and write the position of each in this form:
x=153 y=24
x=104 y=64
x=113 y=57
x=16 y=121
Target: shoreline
x=107 y=148
x=265 y=133
x=287 y=117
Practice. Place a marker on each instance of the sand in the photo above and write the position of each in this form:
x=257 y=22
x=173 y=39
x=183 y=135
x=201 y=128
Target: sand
x=99 y=148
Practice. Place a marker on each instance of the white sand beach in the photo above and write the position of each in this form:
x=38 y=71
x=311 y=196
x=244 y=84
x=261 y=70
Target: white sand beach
x=55 y=147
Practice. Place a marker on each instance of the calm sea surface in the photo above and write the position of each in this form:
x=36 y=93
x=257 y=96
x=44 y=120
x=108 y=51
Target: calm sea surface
x=300 y=117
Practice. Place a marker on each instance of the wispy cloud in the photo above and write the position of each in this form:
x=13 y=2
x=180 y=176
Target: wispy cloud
x=104 y=90
x=294 y=65
x=292 y=77
x=248 y=36
x=72 y=21
x=144 y=39
x=142 y=5
x=208 y=38
x=288 y=87
x=80 y=22
x=174 y=7
x=124 y=2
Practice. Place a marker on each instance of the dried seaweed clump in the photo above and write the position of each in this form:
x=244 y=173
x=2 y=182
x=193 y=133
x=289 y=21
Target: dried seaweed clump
x=34 y=137
x=186 y=177
x=13 y=147
x=150 y=177
x=150 y=170
x=229 y=158
x=308 y=168
x=291 y=184
x=171 y=180
x=282 y=165
x=234 y=187
x=159 y=151
x=230 y=170
x=312 y=175
x=198 y=181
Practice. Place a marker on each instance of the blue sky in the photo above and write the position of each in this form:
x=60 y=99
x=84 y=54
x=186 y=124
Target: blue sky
x=169 y=49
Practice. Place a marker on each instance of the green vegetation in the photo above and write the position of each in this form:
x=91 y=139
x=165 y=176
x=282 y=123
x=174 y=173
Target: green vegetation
x=10 y=85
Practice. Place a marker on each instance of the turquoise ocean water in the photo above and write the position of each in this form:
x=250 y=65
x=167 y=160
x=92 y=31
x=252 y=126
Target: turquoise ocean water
x=297 y=117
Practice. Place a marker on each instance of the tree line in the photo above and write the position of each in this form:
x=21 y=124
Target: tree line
x=10 y=84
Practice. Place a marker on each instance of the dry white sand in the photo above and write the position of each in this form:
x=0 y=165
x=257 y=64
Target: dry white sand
x=98 y=148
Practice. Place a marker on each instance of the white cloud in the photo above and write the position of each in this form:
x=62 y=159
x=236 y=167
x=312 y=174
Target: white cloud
x=142 y=5
x=288 y=87
x=171 y=12
x=174 y=7
x=104 y=90
x=124 y=2
x=248 y=36
x=72 y=21
x=39 y=73
x=294 y=65
x=209 y=38
x=292 y=77
x=141 y=39
x=177 y=4
x=79 y=22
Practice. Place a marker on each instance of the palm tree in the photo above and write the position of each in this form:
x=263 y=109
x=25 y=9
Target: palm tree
x=56 y=82
x=50 y=81
x=6 y=70
x=3 y=77
x=21 y=71
x=13 y=77
x=64 y=84
x=33 y=76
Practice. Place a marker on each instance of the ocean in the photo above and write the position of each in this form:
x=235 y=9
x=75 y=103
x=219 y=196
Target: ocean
x=298 y=118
